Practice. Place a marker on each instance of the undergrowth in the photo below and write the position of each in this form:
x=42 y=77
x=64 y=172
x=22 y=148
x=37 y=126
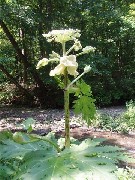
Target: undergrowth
x=123 y=123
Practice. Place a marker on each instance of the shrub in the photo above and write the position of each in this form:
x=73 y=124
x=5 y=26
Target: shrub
x=123 y=123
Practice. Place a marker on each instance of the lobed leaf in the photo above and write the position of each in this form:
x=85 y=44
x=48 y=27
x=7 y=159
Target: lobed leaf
x=75 y=163
x=41 y=160
x=85 y=103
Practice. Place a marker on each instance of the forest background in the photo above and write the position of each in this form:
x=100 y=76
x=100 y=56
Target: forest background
x=109 y=26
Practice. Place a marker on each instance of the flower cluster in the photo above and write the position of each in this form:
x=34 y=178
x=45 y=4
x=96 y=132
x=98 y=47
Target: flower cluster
x=88 y=49
x=62 y=36
x=67 y=61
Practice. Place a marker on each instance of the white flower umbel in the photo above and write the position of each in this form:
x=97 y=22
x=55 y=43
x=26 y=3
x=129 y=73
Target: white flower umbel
x=88 y=49
x=42 y=62
x=76 y=46
x=68 y=62
x=62 y=36
x=45 y=61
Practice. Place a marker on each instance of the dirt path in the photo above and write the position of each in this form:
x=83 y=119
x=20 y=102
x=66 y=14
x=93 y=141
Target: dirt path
x=11 y=117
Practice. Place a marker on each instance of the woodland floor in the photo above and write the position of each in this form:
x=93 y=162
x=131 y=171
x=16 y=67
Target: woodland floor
x=53 y=120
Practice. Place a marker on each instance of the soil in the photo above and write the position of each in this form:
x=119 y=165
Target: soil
x=53 y=120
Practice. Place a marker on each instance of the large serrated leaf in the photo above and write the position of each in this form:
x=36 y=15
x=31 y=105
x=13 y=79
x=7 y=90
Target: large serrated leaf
x=85 y=89
x=75 y=163
x=67 y=165
x=12 y=149
x=40 y=160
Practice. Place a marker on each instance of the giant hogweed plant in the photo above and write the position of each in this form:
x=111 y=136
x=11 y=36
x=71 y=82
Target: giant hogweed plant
x=26 y=156
x=67 y=65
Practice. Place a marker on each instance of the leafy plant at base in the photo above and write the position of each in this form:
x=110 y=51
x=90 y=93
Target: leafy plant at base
x=35 y=158
x=28 y=124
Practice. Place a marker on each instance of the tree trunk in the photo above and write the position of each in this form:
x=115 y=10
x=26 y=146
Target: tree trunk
x=40 y=30
x=21 y=56
x=24 y=52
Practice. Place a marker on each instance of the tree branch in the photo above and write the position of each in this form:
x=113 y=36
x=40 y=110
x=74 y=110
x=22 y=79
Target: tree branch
x=21 y=56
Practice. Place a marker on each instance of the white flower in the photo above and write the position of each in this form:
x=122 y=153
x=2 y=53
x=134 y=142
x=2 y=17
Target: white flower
x=88 y=49
x=68 y=62
x=87 y=69
x=77 y=45
x=42 y=62
x=62 y=36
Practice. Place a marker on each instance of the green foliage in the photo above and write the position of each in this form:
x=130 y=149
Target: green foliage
x=7 y=93
x=39 y=158
x=85 y=102
x=123 y=123
x=129 y=115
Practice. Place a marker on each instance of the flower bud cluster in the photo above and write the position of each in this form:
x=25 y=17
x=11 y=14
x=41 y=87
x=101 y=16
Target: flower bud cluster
x=77 y=45
x=42 y=62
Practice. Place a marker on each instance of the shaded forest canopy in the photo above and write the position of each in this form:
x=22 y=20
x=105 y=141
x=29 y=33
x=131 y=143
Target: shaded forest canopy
x=107 y=25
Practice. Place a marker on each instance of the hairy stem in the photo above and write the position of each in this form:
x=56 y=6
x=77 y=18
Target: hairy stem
x=66 y=105
x=66 y=108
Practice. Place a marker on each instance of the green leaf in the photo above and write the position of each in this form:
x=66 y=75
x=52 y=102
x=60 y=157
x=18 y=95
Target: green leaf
x=85 y=103
x=84 y=88
x=28 y=124
x=73 y=163
x=41 y=160
x=23 y=143
x=5 y=135
x=5 y=171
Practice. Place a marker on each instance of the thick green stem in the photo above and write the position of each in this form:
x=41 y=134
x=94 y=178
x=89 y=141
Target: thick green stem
x=66 y=105
x=66 y=108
